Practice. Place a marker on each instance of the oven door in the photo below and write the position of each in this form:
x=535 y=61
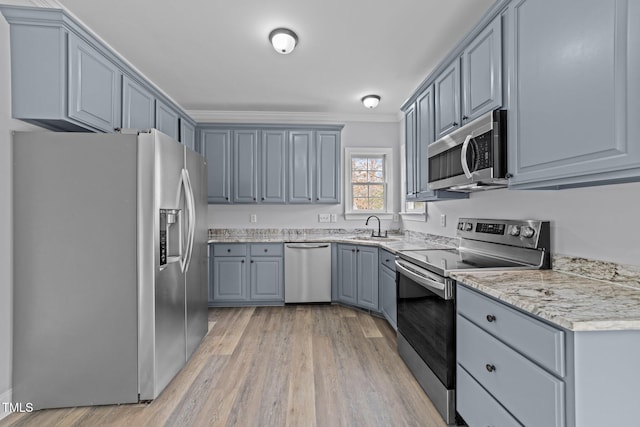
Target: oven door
x=427 y=320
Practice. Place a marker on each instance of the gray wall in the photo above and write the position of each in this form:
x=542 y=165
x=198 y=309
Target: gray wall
x=7 y=124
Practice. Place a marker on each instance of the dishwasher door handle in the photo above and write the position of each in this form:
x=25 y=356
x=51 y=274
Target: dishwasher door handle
x=307 y=247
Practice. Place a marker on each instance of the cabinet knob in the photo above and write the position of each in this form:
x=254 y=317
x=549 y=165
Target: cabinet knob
x=454 y=124
x=357 y=250
x=317 y=198
x=242 y=261
x=262 y=198
x=353 y=250
x=387 y=260
x=226 y=198
x=251 y=261
x=490 y=367
x=309 y=198
x=491 y=318
x=254 y=199
x=228 y=250
x=465 y=118
x=266 y=250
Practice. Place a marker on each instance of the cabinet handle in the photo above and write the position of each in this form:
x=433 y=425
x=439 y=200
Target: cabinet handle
x=490 y=367
x=491 y=318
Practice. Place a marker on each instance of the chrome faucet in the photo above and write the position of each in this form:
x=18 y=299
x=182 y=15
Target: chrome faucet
x=373 y=233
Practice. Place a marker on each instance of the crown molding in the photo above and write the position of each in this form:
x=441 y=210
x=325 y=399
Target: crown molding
x=53 y=4
x=214 y=116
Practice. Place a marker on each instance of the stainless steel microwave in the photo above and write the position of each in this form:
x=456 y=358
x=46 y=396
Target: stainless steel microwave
x=471 y=158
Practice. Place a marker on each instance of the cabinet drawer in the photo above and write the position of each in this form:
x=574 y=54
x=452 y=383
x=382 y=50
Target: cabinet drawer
x=230 y=249
x=388 y=259
x=266 y=249
x=537 y=340
x=531 y=394
x=477 y=407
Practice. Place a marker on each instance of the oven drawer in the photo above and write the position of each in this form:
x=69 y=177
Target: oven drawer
x=477 y=407
x=531 y=394
x=536 y=340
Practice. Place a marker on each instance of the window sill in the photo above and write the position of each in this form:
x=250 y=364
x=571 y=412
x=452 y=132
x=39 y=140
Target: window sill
x=351 y=216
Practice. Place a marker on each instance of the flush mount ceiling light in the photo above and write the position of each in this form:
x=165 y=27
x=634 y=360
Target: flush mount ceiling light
x=371 y=101
x=283 y=40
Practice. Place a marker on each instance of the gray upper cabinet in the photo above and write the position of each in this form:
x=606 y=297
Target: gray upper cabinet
x=187 y=134
x=419 y=132
x=167 y=120
x=94 y=87
x=216 y=148
x=138 y=106
x=328 y=167
x=245 y=166
x=482 y=73
x=64 y=79
x=447 y=100
x=410 y=151
x=574 y=118
x=300 y=166
x=273 y=166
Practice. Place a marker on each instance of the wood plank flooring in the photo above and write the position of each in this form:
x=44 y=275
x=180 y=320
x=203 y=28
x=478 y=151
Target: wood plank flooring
x=301 y=365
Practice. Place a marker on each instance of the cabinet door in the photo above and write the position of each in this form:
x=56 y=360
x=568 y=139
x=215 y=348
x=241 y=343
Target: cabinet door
x=447 y=100
x=216 y=148
x=388 y=297
x=300 y=166
x=574 y=120
x=274 y=166
x=245 y=162
x=94 y=87
x=347 y=274
x=138 y=106
x=229 y=279
x=267 y=283
x=482 y=72
x=166 y=120
x=367 y=273
x=328 y=167
x=410 y=151
x=187 y=134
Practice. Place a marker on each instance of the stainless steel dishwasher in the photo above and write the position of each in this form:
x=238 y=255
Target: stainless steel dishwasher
x=307 y=272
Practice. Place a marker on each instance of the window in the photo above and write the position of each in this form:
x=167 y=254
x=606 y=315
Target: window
x=368 y=186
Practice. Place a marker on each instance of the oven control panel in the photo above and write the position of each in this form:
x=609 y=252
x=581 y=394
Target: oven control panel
x=523 y=233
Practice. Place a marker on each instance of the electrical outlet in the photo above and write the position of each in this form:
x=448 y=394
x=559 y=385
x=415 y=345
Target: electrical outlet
x=443 y=220
x=324 y=218
x=253 y=218
x=334 y=218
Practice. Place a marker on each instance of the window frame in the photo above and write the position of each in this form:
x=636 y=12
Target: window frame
x=387 y=153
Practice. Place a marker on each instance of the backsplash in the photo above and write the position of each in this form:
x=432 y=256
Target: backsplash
x=599 y=270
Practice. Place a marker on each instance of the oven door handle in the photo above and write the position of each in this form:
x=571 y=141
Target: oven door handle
x=423 y=279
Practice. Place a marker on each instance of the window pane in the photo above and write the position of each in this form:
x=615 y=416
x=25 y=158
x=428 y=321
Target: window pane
x=376 y=190
x=358 y=163
x=360 y=190
x=376 y=204
x=358 y=176
x=375 y=163
x=360 y=204
x=376 y=176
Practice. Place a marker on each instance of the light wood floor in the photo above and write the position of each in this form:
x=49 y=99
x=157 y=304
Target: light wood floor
x=306 y=365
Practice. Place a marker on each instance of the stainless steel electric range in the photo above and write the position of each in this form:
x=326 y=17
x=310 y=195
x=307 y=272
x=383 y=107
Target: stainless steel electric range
x=426 y=294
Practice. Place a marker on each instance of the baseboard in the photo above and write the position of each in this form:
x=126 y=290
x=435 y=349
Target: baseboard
x=5 y=397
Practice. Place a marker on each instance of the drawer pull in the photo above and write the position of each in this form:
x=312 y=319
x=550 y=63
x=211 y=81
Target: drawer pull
x=491 y=318
x=490 y=367
x=228 y=250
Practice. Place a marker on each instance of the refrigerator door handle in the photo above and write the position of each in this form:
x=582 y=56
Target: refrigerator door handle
x=191 y=205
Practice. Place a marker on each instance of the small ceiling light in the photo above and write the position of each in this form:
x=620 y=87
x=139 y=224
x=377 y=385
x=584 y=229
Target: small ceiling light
x=371 y=101
x=283 y=40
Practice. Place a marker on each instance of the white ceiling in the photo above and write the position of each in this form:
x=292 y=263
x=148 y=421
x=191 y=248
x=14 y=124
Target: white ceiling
x=214 y=55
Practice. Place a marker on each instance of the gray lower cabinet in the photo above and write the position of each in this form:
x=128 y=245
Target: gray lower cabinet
x=576 y=93
x=357 y=275
x=387 y=292
x=516 y=369
x=246 y=274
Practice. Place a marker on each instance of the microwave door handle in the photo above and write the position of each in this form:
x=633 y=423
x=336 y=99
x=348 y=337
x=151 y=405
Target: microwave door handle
x=463 y=156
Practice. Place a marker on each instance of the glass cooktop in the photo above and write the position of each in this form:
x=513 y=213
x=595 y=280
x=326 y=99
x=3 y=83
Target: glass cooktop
x=443 y=261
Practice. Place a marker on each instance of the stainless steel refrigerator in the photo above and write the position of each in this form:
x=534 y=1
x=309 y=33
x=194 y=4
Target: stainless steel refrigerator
x=110 y=265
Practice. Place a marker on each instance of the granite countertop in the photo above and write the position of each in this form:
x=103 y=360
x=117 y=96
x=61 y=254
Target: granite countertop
x=568 y=300
x=393 y=243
